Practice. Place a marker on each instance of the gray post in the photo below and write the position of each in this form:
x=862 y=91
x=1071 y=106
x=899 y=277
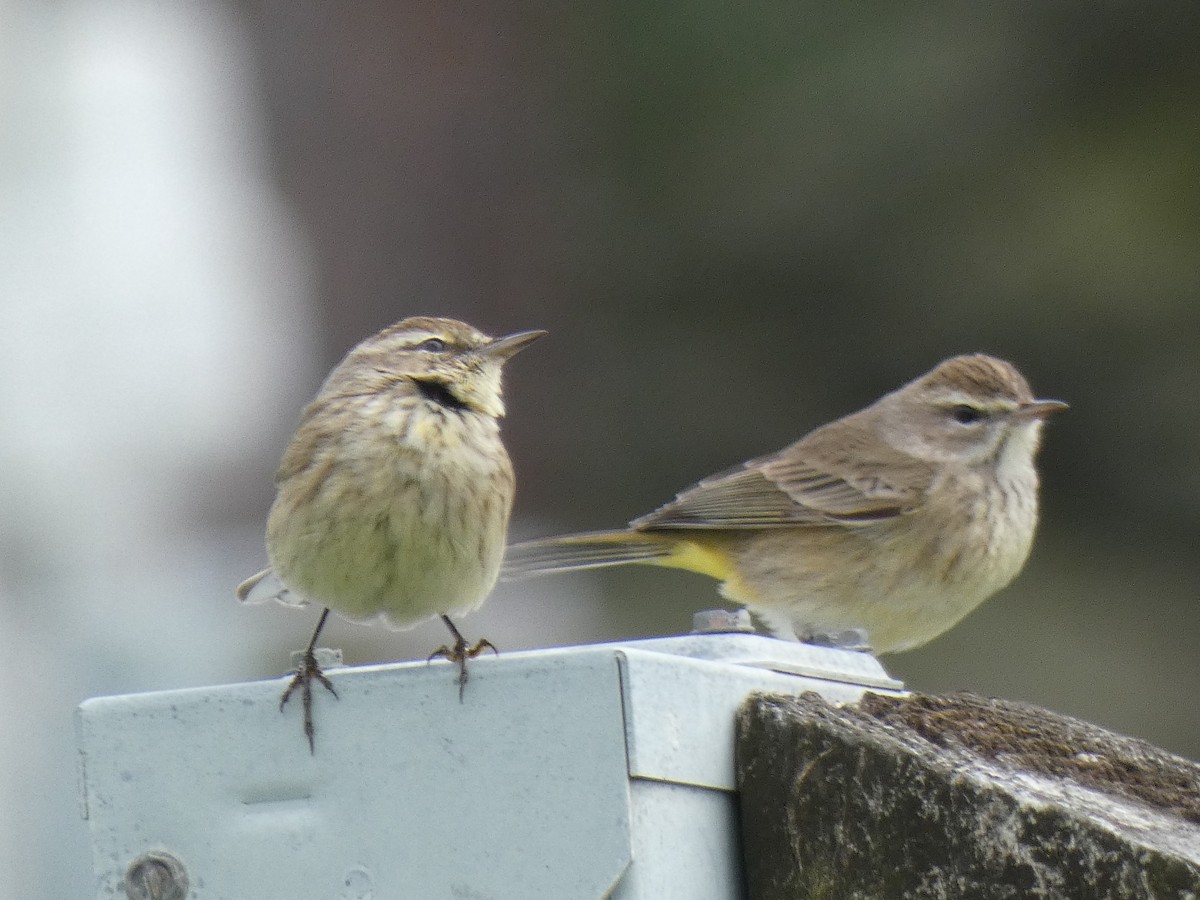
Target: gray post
x=585 y=772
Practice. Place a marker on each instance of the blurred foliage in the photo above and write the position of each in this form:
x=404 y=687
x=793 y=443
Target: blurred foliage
x=739 y=220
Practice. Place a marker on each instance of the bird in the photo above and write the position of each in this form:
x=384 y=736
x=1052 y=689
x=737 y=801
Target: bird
x=394 y=494
x=877 y=531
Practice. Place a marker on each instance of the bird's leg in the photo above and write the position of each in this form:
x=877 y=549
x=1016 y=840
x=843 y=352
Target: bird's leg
x=851 y=639
x=306 y=672
x=460 y=652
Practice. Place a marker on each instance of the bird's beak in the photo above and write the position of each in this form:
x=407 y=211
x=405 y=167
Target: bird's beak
x=1040 y=409
x=508 y=346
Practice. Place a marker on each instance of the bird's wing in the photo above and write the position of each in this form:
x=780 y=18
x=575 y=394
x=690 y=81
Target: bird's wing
x=802 y=485
x=741 y=498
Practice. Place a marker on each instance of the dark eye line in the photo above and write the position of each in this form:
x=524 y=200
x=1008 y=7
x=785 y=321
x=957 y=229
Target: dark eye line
x=965 y=414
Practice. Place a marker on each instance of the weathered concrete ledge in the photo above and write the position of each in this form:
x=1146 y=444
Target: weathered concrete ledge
x=958 y=796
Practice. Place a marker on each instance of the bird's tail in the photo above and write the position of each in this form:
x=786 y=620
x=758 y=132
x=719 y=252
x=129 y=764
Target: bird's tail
x=589 y=550
x=266 y=586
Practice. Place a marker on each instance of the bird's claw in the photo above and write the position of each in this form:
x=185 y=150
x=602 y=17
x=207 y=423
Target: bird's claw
x=854 y=639
x=306 y=672
x=459 y=653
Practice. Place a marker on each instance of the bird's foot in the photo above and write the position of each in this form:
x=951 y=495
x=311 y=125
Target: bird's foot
x=307 y=671
x=854 y=639
x=459 y=653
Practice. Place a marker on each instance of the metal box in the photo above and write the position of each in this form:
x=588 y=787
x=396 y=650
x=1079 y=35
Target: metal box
x=583 y=772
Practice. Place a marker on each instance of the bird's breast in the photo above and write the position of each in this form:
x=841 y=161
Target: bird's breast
x=976 y=531
x=408 y=519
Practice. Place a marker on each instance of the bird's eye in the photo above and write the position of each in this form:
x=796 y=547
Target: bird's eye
x=965 y=415
x=432 y=345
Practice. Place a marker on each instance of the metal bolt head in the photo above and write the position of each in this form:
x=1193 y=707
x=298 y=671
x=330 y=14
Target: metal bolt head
x=156 y=875
x=722 y=621
x=327 y=657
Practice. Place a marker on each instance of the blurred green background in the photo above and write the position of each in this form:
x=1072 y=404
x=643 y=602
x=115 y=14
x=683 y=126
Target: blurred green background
x=737 y=221
x=740 y=220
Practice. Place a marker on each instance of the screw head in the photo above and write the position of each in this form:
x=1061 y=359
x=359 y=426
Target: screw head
x=156 y=875
x=327 y=657
x=722 y=621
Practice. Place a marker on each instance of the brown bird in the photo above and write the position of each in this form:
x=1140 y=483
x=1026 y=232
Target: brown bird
x=895 y=521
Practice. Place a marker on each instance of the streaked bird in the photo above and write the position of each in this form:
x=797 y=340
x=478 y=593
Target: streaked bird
x=394 y=495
